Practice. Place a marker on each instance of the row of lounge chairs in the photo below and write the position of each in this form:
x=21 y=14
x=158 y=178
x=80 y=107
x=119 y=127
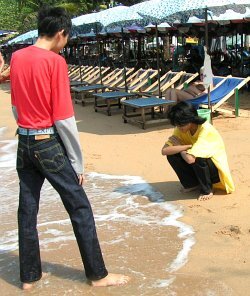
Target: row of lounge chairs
x=108 y=89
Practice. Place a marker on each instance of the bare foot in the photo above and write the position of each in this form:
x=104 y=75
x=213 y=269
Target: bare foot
x=28 y=286
x=186 y=190
x=205 y=196
x=111 y=279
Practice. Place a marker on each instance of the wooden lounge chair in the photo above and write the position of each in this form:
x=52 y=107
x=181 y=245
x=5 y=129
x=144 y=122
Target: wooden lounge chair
x=79 y=72
x=118 y=79
x=137 y=85
x=166 y=81
x=79 y=93
x=185 y=79
x=152 y=106
x=95 y=74
x=112 y=78
x=137 y=80
x=130 y=78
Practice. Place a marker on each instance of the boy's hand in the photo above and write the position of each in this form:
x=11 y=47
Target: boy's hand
x=81 y=179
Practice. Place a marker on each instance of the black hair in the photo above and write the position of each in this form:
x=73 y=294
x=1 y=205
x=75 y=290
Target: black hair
x=52 y=20
x=183 y=113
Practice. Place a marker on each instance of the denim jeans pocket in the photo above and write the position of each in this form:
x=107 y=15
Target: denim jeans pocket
x=51 y=159
x=19 y=158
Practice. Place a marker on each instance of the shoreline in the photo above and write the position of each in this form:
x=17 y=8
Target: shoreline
x=221 y=225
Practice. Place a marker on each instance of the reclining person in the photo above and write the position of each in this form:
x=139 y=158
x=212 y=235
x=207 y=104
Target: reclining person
x=194 y=90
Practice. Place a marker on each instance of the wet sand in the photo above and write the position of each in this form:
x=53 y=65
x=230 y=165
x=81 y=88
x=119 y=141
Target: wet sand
x=218 y=263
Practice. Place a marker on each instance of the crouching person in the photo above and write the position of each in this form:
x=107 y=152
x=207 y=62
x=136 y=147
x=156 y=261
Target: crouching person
x=197 y=153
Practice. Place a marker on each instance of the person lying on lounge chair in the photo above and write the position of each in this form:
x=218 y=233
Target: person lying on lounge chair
x=197 y=153
x=194 y=90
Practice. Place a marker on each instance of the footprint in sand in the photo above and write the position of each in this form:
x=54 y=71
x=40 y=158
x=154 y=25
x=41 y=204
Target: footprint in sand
x=231 y=230
x=200 y=207
x=95 y=156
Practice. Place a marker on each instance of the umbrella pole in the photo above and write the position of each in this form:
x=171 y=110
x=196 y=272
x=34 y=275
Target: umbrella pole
x=124 y=61
x=158 y=61
x=206 y=44
x=79 y=63
x=241 y=52
x=99 y=53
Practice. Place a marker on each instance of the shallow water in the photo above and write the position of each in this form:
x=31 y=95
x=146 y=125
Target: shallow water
x=139 y=232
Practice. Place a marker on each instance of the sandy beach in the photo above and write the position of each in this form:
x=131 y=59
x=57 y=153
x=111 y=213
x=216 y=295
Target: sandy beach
x=218 y=262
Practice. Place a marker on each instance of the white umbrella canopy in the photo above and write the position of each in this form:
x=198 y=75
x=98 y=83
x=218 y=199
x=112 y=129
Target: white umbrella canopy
x=230 y=15
x=182 y=10
x=85 y=19
x=119 y=15
x=112 y=17
x=26 y=37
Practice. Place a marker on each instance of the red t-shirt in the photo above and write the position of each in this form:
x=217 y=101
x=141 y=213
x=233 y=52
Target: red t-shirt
x=40 y=88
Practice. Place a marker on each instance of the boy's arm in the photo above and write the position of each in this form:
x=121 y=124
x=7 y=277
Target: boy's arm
x=68 y=132
x=174 y=145
x=14 y=111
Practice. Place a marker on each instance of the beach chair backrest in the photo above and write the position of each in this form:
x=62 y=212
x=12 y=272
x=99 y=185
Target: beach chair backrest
x=132 y=77
x=139 y=76
x=148 y=74
x=121 y=78
x=220 y=92
x=186 y=78
x=217 y=80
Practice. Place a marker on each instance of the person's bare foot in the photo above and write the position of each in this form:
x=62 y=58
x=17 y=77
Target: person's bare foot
x=205 y=196
x=29 y=286
x=111 y=279
x=186 y=190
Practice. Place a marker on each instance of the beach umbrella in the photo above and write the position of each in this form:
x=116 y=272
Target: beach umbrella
x=171 y=11
x=199 y=7
x=116 y=16
x=83 y=26
x=24 y=38
x=228 y=15
x=181 y=10
x=119 y=15
x=157 y=11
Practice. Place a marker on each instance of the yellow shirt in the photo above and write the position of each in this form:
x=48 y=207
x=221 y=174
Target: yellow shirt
x=207 y=143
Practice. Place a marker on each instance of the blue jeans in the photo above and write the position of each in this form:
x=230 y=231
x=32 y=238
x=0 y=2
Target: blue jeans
x=37 y=160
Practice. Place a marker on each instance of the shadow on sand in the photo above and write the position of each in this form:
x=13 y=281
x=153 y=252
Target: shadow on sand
x=10 y=270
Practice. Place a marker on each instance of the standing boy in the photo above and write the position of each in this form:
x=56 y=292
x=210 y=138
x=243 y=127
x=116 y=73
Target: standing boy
x=48 y=148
